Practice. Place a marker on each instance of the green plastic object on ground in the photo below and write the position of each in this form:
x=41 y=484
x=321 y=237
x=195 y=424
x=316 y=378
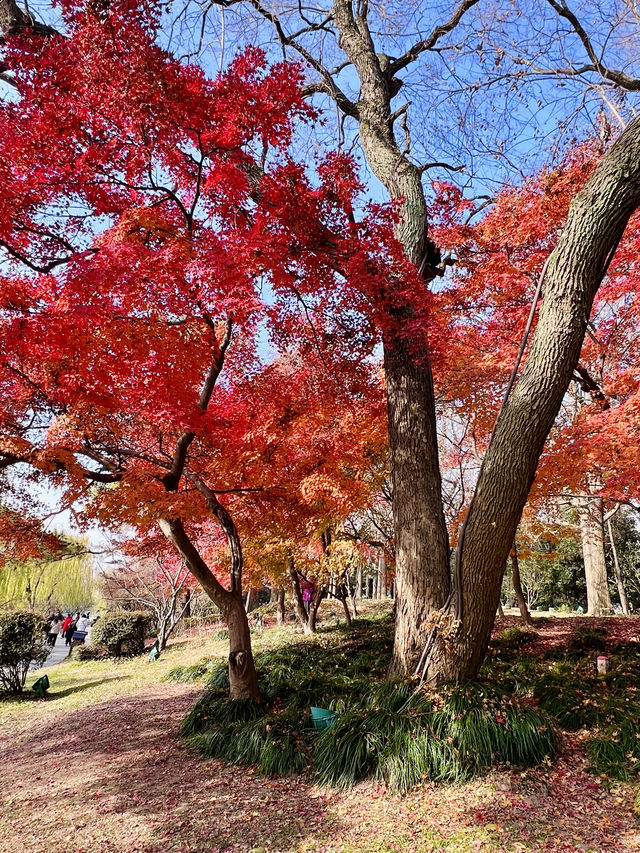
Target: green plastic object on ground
x=41 y=686
x=154 y=654
x=322 y=719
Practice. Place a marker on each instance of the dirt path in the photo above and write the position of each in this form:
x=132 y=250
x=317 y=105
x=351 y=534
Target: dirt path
x=114 y=778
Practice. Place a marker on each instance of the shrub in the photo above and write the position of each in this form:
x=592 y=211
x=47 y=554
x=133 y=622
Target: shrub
x=84 y=653
x=22 y=642
x=586 y=639
x=122 y=632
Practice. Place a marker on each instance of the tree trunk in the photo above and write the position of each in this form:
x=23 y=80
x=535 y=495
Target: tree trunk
x=597 y=218
x=314 y=606
x=622 y=593
x=517 y=587
x=345 y=606
x=308 y=626
x=590 y=514
x=187 y=604
x=382 y=576
x=359 y=580
x=280 y=609
x=421 y=539
x=243 y=678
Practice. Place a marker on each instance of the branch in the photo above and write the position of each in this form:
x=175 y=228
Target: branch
x=429 y=43
x=172 y=479
x=174 y=530
x=621 y=79
x=327 y=85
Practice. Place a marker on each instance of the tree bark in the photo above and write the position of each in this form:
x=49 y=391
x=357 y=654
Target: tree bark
x=517 y=587
x=382 y=576
x=421 y=539
x=622 y=593
x=597 y=218
x=280 y=608
x=590 y=514
x=304 y=618
x=243 y=678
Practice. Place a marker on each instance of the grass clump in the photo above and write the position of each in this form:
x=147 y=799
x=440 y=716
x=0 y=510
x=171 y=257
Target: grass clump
x=585 y=639
x=383 y=728
x=616 y=751
x=192 y=672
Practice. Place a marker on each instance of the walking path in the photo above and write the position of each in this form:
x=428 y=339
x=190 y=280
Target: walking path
x=60 y=651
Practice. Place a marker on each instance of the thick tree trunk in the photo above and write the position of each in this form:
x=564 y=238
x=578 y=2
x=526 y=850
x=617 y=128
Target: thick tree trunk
x=517 y=588
x=597 y=218
x=590 y=514
x=421 y=539
x=622 y=593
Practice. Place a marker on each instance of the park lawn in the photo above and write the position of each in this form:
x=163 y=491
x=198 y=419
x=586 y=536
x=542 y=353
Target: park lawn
x=98 y=766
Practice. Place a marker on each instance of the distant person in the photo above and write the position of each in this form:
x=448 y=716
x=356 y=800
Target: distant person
x=83 y=623
x=54 y=630
x=66 y=622
x=68 y=634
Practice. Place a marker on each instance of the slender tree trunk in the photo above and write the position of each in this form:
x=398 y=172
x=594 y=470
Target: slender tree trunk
x=500 y=610
x=187 y=604
x=517 y=587
x=304 y=618
x=382 y=576
x=345 y=606
x=250 y=600
x=359 y=580
x=280 y=609
x=243 y=678
x=622 y=593
x=315 y=606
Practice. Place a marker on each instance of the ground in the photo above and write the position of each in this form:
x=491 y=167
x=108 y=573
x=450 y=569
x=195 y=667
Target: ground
x=99 y=768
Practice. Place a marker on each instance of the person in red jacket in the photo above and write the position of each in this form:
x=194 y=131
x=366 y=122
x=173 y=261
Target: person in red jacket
x=65 y=628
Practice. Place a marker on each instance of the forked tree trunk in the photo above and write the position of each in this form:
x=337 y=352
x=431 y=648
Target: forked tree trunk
x=517 y=587
x=243 y=678
x=596 y=221
x=590 y=515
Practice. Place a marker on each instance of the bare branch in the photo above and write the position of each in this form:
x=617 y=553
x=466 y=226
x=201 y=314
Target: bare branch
x=429 y=43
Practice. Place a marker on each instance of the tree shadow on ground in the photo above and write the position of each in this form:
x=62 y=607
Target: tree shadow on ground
x=134 y=785
x=59 y=694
